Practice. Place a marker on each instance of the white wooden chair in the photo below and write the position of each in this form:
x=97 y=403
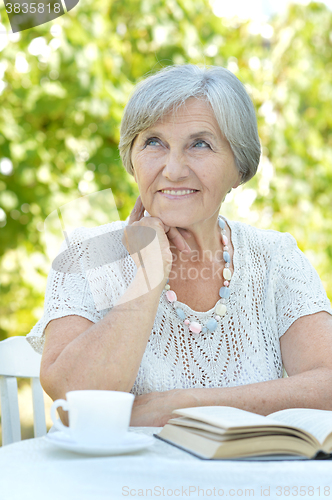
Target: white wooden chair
x=18 y=359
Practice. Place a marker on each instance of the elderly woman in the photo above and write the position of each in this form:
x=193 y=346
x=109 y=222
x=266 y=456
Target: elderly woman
x=229 y=305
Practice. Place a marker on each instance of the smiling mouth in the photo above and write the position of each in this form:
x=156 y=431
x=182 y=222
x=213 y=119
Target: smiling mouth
x=178 y=192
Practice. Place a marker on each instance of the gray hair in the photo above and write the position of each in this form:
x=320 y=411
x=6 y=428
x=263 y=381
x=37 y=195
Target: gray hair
x=171 y=87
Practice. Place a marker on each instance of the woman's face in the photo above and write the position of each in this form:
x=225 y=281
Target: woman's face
x=181 y=152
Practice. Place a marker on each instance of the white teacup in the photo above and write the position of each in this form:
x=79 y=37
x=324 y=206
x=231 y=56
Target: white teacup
x=95 y=417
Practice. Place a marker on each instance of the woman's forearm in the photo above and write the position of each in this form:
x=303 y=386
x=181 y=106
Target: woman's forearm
x=311 y=389
x=108 y=354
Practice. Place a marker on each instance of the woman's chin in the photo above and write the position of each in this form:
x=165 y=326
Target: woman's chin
x=174 y=221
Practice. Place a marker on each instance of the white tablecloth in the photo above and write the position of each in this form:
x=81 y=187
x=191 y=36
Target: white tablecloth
x=37 y=470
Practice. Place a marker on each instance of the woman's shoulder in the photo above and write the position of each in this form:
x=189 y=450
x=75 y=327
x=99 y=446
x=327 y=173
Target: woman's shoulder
x=87 y=248
x=80 y=234
x=247 y=234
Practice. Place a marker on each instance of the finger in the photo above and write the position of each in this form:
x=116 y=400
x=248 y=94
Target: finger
x=137 y=212
x=186 y=234
x=177 y=239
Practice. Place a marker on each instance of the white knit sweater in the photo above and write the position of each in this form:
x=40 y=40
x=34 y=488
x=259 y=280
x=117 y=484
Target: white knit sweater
x=273 y=285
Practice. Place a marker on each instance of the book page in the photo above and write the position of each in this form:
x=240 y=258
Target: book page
x=243 y=431
x=317 y=422
x=227 y=417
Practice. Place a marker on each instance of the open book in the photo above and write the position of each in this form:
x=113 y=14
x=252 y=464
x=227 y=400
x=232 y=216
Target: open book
x=223 y=432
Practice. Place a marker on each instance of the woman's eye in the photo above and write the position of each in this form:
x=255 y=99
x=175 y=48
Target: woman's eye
x=152 y=142
x=201 y=144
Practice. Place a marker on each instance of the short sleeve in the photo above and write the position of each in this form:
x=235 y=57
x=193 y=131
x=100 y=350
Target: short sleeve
x=298 y=288
x=66 y=294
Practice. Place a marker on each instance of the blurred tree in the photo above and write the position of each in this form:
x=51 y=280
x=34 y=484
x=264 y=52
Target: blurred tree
x=63 y=87
x=297 y=132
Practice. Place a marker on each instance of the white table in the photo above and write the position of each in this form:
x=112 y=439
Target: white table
x=37 y=470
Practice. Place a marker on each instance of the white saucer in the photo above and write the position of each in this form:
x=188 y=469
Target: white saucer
x=130 y=442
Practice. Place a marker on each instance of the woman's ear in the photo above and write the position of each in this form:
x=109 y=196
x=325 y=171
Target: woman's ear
x=133 y=171
x=238 y=182
x=130 y=159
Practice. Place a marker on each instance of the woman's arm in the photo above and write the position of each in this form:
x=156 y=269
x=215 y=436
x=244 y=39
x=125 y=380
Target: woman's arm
x=81 y=355
x=307 y=356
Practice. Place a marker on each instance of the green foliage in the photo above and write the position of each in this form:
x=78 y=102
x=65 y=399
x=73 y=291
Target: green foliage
x=298 y=140
x=60 y=117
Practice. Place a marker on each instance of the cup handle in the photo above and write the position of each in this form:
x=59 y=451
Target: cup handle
x=57 y=423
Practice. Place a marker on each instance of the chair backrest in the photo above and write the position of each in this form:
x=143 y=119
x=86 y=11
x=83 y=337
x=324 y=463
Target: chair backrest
x=18 y=359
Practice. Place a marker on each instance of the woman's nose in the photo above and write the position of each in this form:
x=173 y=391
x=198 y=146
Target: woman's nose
x=176 y=167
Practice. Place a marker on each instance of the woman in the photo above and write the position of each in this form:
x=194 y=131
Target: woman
x=229 y=304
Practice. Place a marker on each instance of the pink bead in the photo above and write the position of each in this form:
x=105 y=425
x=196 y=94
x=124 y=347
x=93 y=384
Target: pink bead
x=217 y=317
x=171 y=296
x=225 y=240
x=226 y=283
x=195 y=327
x=186 y=322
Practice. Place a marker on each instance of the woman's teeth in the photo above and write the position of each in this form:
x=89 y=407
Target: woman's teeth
x=187 y=191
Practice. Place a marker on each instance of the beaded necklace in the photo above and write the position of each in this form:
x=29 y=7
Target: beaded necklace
x=220 y=308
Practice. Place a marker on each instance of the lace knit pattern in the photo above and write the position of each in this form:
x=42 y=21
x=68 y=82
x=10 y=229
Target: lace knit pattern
x=273 y=285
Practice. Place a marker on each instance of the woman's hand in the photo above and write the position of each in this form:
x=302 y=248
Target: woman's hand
x=155 y=409
x=165 y=234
